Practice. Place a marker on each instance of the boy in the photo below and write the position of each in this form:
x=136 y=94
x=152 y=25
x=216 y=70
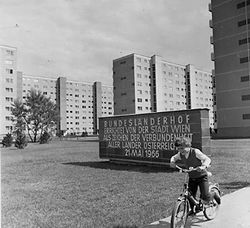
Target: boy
x=192 y=157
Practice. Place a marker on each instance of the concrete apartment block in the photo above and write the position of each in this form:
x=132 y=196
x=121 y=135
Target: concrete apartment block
x=230 y=26
x=80 y=104
x=8 y=86
x=145 y=84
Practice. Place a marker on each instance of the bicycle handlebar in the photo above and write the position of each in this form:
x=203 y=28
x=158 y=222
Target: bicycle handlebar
x=190 y=170
x=185 y=170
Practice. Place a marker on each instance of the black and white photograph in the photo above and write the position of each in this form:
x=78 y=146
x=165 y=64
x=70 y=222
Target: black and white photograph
x=125 y=113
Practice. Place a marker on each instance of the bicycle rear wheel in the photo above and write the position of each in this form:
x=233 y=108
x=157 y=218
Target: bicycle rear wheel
x=180 y=214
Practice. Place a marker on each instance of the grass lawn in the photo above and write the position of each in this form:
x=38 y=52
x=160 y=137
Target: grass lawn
x=65 y=184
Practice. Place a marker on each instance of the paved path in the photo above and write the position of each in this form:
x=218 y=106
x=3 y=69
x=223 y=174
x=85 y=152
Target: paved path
x=234 y=212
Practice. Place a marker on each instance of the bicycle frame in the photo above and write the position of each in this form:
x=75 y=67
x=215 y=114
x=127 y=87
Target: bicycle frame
x=182 y=205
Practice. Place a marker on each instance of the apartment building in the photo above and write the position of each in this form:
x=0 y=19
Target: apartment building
x=151 y=84
x=8 y=86
x=80 y=104
x=230 y=40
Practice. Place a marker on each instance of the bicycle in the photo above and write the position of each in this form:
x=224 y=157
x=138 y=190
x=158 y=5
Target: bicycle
x=182 y=206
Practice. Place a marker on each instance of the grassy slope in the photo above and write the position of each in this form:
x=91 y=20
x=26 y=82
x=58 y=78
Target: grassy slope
x=65 y=184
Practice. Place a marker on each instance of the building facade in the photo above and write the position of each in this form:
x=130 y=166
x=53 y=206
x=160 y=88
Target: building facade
x=151 y=84
x=80 y=104
x=230 y=25
x=8 y=86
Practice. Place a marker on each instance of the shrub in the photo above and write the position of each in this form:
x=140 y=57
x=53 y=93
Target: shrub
x=45 y=138
x=21 y=141
x=7 y=140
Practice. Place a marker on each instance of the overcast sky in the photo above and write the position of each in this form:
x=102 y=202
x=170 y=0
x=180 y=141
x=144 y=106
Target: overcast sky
x=79 y=39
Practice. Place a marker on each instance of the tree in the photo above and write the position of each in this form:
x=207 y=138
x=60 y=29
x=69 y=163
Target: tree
x=36 y=114
x=21 y=140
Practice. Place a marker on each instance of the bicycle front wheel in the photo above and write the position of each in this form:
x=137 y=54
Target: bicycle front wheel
x=180 y=214
x=211 y=210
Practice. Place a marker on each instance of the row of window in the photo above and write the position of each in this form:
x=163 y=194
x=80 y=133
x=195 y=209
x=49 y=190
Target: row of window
x=77 y=84
x=77 y=128
x=244 y=78
x=9 y=80
x=243 y=4
x=9 y=71
x=9 y=99
x=40 y=80
x=139 y=60
x=10 y=52
x=77 y=106
x=244 y=60
x=140 y=100
x=10 y=90
x=141 y=84
x=172 y=67
x=138 y=67
x=77 y=123
x=78 y=101
x=244 y=41
x=9 y=118
x=244 y=22
x=245 y=97
x=77 y=117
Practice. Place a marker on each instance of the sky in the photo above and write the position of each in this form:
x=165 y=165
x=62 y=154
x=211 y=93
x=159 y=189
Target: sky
x=79 y=39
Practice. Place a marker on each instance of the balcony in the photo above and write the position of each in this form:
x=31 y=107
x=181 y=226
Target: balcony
x=212 y=56
x=211 y=40
x=210 y=23
x=210 y=7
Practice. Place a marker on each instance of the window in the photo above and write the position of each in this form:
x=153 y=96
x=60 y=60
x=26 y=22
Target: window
x=138 y=59
x=246 y=116
x=243 y=22
x=9 y=99
x=8 y=108
x=245 y=97
x=9 y=90
x=244 y=60
x=139 y=108
x=243 y=4
x=139 y=99
x=244 y=41
x=8 y=118
x=10 y=52
x=244 y=78
x=9 y=71
x=9 y=80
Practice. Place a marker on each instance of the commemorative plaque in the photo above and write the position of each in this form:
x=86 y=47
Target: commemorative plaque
x=150 y=137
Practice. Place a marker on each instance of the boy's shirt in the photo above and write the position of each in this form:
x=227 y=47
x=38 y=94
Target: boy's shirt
x=205 y=160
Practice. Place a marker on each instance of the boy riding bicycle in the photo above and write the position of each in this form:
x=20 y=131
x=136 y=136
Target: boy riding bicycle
x=192 y=157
